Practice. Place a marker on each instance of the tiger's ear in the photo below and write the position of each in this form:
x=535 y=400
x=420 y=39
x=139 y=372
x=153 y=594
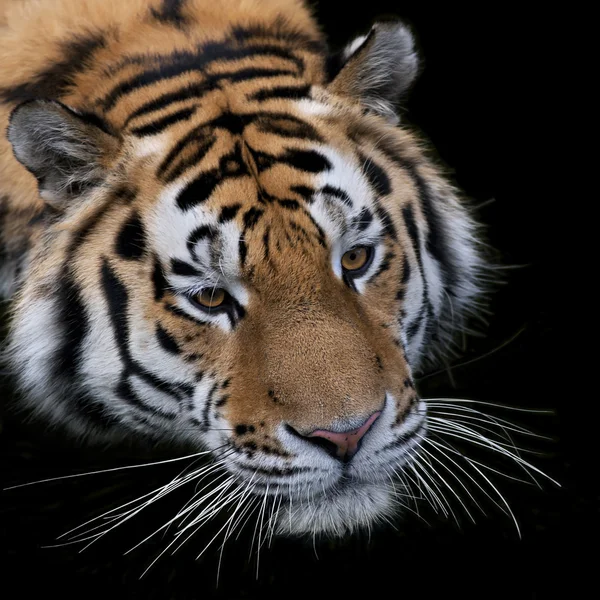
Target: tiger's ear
x=65 y=150
x=378 y=68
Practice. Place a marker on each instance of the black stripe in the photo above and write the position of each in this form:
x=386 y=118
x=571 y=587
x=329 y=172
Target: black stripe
x=75 y=326
x=304 y=191
x=363 y=220
x=202 y=232
x=199 y=137
x=384 y=266
x=287 y=92
x=405 y=271
x=243 y=250
x=117 y=299
x=289 y=203
x=415 y=238
x=228 y=213
x=171 y=13
x=175 y=310
x=125 y=391
x=321 y=234
x=131 y=240
x=73 y=314
x=161 y=124
x=167 y=341
x=280 y=31
x=303 y=160
x=266 y=236
x=286 y=126
x=377 y=176
x=336 y=192
x=187 y=92
x=55 y=80
x=436 y=243
x=177 y=63
x=159 y=282
x=251 y=217
x=208 y=406
x=388 y=224
x=180 y=267
x=231 y=165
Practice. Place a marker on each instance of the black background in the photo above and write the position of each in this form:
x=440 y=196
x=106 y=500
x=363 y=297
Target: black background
x=482 y=102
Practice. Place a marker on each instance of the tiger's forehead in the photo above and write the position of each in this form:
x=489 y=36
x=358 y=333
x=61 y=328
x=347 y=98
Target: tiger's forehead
x=242 y=185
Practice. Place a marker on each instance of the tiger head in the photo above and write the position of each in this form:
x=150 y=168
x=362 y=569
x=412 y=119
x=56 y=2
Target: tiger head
x=253 y=259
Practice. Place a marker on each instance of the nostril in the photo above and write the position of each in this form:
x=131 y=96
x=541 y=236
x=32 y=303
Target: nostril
x=325 y=444
x=342 y=445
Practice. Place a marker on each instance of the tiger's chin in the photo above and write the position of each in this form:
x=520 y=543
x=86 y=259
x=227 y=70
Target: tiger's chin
x=342 y=511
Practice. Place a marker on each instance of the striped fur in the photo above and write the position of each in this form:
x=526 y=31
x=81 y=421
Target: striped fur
x=156 y=149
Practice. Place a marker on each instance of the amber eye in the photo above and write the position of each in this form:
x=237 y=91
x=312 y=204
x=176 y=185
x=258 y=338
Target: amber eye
x=356 y=259
x=211 y=298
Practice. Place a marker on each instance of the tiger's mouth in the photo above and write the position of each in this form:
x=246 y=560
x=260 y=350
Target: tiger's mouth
x=357 y=496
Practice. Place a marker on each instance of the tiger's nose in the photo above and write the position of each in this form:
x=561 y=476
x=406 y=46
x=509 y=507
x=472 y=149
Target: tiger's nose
x=343 y=445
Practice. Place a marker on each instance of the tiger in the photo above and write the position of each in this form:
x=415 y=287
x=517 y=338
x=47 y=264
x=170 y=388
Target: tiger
x=217 y=233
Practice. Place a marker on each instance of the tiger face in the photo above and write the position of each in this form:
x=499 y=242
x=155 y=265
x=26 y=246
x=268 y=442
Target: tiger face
x=259 y=272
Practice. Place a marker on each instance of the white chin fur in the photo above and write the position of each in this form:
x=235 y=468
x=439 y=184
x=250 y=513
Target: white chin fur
x=339 y=513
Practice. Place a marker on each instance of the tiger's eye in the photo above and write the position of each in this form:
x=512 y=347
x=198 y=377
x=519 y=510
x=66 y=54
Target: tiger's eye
x=211 y=298
x=355 y=259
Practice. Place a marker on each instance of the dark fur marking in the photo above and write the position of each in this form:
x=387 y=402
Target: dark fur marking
x=171 y=13
x=179 y=62
x=75 y=326
x=281 y=31
x=336 y=192
x=377 y=177
x=436 y=242
x=287 y=92
x=363 y=220
x=251 y=217
x=204 y=232
x=304 y=191
x=286 y=126
x=159 y=281
x=117 y=298
x=175 y=310
x=414 y=235
x=201 y=138
x=388 y=224
x=228 y=213
x=222 y=401
x=167 y=341
x=405 y=271
x=189 y=91
x=289 y=204
x=266 y=242
x=161 y=124
x=384 y=265
x=180 y=267
x=208 y=406
x=243 y=250
x=55 y=80
x=126 y=193
x=131 y=240
x=198 y=191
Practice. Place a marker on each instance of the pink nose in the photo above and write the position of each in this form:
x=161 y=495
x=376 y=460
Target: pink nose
x=346 y=443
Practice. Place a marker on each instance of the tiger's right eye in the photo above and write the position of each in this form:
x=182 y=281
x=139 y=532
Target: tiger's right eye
x=210 y=298
x=357 y=260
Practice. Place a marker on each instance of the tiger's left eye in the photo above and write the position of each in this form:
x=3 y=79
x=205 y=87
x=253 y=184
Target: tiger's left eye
x=211 y=298
x=357 y=259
